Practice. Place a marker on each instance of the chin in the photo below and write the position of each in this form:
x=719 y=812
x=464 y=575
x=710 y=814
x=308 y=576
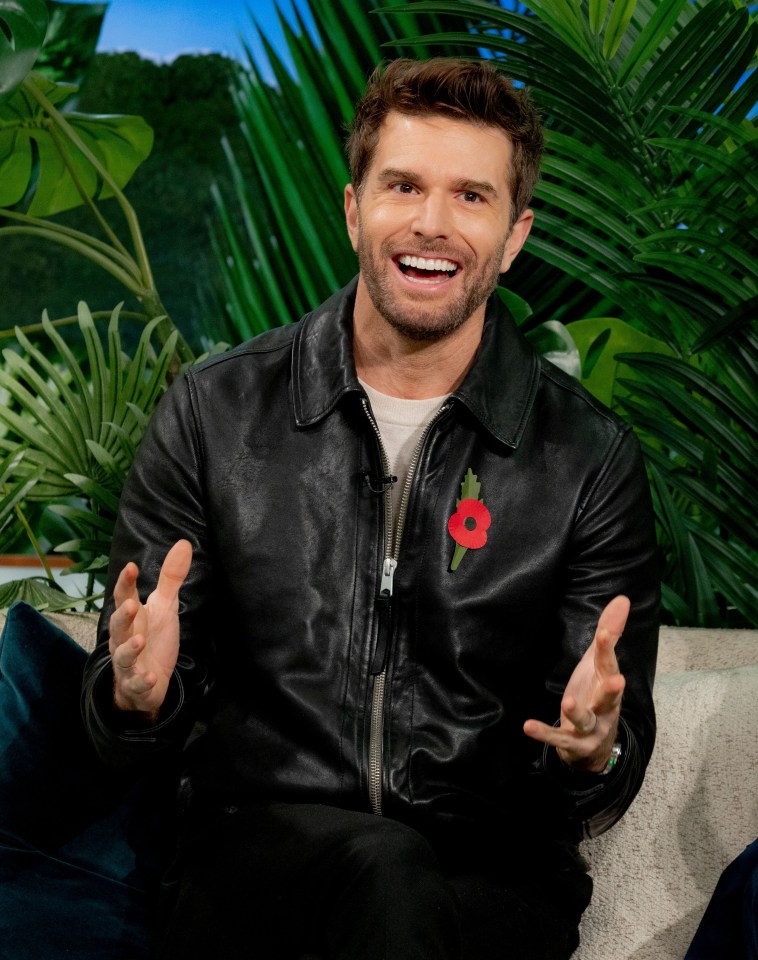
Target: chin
x=423 y=329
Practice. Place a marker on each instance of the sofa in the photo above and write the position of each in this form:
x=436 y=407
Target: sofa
x=654 y=872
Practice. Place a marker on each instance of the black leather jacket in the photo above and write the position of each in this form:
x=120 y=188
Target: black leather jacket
x=310 y=684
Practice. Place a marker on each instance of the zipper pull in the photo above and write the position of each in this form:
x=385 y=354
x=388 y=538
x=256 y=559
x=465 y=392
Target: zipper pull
x=384 y=609
x=388 y=576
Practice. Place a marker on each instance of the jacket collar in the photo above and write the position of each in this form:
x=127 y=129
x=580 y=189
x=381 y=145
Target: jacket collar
x=498 y=390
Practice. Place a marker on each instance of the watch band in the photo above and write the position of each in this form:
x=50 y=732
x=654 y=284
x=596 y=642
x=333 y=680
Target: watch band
x=612 y=760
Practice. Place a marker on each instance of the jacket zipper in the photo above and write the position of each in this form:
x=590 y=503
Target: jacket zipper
x=392 y=541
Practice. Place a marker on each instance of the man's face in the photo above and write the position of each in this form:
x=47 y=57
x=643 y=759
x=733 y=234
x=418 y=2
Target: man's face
x=431 y=226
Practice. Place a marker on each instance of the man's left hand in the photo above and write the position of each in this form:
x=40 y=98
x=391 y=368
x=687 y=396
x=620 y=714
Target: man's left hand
x=592 y=700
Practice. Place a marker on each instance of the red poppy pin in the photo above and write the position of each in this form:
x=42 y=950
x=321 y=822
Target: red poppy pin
x=469 y=524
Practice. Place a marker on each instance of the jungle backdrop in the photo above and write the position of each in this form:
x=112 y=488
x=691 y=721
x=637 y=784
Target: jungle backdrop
x=641 y=274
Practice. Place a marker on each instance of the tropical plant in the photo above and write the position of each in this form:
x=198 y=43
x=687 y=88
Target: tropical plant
x=51 y=161
x=647 y=198
x=645 y=243
x=72 y=430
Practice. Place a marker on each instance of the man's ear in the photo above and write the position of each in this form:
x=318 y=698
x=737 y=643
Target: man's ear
x=351 y=215
x=517 y=239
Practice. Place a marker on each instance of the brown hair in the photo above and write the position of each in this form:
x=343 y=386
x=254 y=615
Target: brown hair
x=470 y=90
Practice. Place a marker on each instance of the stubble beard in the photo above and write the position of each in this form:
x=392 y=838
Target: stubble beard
x=417 y=322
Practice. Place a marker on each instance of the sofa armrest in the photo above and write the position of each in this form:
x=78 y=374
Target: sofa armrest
x=697 y=810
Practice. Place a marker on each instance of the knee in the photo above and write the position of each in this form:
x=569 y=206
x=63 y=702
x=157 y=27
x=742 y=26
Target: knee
x=389 y=853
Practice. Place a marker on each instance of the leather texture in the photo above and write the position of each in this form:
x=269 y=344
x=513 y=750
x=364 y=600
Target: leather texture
x=259 y=457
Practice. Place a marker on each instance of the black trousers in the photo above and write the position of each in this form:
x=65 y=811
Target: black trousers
x=297 y=881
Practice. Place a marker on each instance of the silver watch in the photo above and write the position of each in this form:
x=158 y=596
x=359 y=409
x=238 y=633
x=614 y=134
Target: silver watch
x=612 y=760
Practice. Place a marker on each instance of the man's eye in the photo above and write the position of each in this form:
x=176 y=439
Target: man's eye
x=402 y=187
x=471 y=197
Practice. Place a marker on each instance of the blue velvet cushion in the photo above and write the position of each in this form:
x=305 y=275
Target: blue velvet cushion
x=80 y=846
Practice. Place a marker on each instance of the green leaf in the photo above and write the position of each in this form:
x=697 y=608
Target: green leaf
x=649 y=39
x=675 y=605
x=26 y=25
x=554 y=342
x=82 y=421
x=70 y=40
x=621 y=14
x=594 y=350
x=598 y=11
x=16 y=482
x=690 y=570
x=120 y=143
x=37 y=592
x=518 y=308
x=609 y=336
x=565 y=19
x=470 y=486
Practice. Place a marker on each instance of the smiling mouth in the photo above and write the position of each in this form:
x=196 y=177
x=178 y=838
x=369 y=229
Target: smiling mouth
x=426 y=269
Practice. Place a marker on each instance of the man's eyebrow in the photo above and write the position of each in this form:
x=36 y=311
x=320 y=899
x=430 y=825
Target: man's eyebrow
x=390 y=174
x=464 y=185
x=477 y=186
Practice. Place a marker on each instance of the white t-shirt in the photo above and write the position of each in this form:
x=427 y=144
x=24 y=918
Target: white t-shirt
x=401 y=423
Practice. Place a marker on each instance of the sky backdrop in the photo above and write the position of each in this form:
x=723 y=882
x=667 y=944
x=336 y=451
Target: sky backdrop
x=162 y=29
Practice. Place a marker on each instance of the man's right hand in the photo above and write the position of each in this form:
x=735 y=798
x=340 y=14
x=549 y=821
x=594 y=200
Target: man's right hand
x=144 y=638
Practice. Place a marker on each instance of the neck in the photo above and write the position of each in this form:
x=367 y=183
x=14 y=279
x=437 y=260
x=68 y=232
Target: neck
x=399 y=366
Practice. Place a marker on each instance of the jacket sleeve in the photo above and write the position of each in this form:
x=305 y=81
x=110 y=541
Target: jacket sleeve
x=613 y=552
x=162 y=501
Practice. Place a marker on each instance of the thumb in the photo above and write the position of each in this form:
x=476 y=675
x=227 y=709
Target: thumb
x=175 y=568
x=614 y=616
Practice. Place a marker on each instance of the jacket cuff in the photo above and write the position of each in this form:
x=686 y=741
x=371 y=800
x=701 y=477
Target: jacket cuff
x=599 y=800
x=585 y=781
x=119 y=737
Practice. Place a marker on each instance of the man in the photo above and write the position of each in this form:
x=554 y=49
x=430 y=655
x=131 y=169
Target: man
x=400 y=552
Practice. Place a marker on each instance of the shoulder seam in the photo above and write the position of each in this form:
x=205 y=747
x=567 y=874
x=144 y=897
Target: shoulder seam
x=549 y=370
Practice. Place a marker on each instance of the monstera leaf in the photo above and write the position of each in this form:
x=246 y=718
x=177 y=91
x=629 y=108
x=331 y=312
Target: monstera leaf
x=22 y=33
x=71 y=40
x=600 y=340
x=120 y=144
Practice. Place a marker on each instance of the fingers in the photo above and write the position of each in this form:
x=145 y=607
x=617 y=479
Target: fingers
x=126 y=585
x=610 y=627
x=124 y=654
x=568 y=740
x=538 y=730
x=122 y=623
x=174 y=570
x=583 y=719
x=615 y=615
x=605 y=704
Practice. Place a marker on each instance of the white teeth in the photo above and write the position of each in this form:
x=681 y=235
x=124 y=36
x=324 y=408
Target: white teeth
x=421 y=263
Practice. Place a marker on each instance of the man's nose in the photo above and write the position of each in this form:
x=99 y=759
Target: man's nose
x=433 y=217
